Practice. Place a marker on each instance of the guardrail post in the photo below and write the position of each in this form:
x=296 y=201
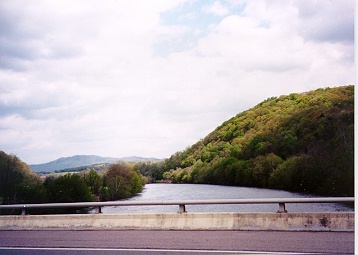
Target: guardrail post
x=23 y=212
x=181 y=208
x=282 y=208
x=97 y=206
x=98 y=210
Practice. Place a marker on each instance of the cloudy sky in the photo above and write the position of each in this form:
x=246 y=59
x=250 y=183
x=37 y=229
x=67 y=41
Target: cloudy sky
x=151 y=77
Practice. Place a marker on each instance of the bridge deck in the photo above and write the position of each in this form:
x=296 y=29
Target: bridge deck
x=258 y=241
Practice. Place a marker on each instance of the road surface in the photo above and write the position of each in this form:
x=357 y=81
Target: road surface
x=141 y=242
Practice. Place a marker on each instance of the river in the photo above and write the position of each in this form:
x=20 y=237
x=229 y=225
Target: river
x=161 y=191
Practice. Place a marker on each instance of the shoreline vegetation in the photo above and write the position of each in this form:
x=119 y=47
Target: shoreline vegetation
x=19 y=185
x=298 y=142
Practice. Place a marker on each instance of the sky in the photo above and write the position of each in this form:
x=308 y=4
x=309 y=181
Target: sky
x=149 y=78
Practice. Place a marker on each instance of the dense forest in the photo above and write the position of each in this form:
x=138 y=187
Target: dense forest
x=298 y=142
x=18 y=184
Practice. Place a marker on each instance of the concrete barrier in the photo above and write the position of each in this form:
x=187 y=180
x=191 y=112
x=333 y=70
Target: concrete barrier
x=330 y=221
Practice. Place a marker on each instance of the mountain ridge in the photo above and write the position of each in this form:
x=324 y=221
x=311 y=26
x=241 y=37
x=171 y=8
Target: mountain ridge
x=83 y=160
x=301 y=142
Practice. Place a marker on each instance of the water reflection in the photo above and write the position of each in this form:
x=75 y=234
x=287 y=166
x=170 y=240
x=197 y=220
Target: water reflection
x=158 y=191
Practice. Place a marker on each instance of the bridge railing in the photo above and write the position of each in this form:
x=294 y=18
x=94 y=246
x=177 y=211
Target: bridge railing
x=181 y=203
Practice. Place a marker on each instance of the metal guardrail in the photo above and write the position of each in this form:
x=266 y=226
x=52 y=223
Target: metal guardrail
x=182 y=203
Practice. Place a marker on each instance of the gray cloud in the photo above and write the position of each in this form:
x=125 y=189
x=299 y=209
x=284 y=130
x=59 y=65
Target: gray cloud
x=120 y=79
x=328 y=21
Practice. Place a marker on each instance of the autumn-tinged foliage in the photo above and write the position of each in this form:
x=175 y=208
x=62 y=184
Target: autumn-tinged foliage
x=121 y=181
x=18 y=184
x=298 y=142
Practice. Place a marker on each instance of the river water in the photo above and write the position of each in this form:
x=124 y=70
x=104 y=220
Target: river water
x=161 y=191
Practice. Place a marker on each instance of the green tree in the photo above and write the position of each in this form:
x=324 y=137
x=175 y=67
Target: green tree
x=122 y=181
x=31 y=190
x=244 y=176
x=17 y=182
x=68 y=188
x=301 y=142
x=93 y=181
x=263 y=166
x=282 y=176
x=10 y=175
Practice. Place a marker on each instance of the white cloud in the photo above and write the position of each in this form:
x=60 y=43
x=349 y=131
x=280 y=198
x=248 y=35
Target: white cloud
x=149 y=78
x=217 y=8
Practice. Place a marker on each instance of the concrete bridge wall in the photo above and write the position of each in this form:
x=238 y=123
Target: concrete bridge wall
x=330 y=221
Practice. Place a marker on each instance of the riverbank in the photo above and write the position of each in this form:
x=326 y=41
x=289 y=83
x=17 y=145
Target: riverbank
x=160 y=191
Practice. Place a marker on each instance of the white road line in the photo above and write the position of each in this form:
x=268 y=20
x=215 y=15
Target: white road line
x=153 y=250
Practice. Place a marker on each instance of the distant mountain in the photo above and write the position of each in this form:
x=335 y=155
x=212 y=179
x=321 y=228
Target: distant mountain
x=82 y=160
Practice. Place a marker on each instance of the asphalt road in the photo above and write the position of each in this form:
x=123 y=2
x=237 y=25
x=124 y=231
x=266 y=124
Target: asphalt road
x=135 y=242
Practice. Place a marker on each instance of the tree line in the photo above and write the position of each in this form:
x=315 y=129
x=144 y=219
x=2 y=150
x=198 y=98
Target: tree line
x=18 y=184
x=298 y=142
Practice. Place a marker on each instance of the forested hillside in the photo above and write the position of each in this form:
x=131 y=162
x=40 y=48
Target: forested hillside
x=81 y=162
x=297 y=142
x=18 y=184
